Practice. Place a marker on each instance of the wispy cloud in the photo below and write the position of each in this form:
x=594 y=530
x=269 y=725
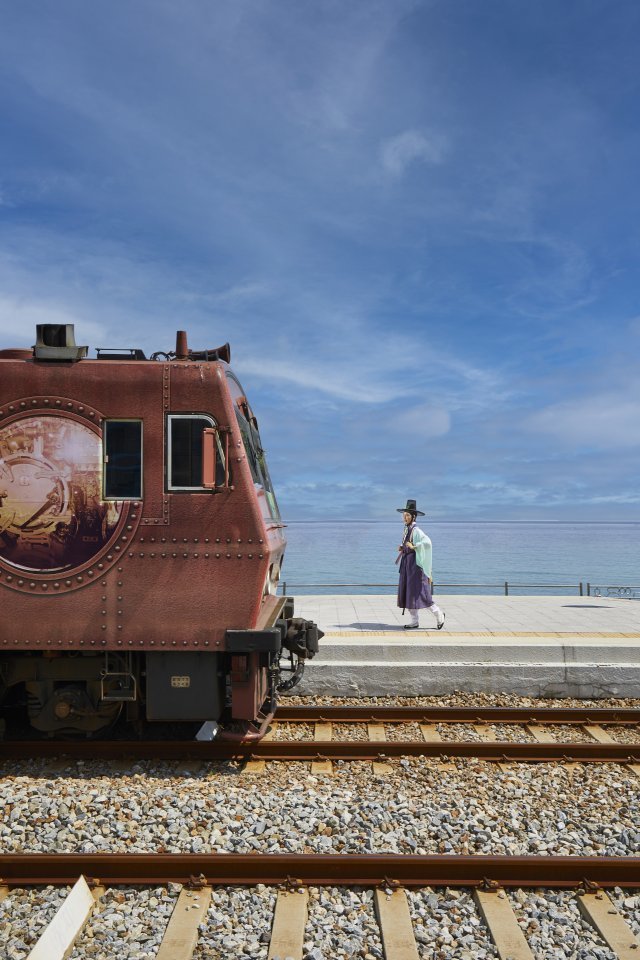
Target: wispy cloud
x=355 y=383
x=412 y=146
x=422 y=421
x=607 y=421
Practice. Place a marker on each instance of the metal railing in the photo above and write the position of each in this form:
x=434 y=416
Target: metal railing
x=583 y=589
x=504 y=585
x=622 y=593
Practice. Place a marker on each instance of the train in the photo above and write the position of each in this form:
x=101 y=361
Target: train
x=141 y=546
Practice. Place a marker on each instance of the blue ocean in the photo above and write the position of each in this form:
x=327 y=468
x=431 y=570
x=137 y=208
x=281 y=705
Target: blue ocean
x=468 y=557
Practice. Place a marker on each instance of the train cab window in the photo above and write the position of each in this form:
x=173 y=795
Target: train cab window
x=184 y=451
x=255 y=454
x=122 y=478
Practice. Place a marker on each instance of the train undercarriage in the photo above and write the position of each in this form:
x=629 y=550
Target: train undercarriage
x=80 y=693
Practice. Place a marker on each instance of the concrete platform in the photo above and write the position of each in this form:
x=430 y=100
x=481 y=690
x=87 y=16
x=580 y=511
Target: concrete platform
x=586 y=647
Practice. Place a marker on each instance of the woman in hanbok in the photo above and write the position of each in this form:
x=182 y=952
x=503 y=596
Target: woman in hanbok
x=415 y=555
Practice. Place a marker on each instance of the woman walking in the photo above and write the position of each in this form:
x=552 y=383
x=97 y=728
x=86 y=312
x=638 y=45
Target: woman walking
x=414 y=588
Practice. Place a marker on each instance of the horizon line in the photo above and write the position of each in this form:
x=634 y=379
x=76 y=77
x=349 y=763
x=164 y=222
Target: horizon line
x=470 y=520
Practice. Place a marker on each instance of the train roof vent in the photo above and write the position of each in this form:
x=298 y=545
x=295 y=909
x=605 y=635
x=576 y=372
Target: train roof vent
x=56 y=341
x=107 y=353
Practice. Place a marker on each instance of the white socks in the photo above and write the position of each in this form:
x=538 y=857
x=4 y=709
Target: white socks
x=434 y=609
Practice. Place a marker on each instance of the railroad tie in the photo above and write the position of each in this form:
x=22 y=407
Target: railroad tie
x=255 y=766
x=487 y=732
x=542 y=735
x=61 y=933
x=259 y=766
x=396 y=928
x=377 y=734
x=635 y=767
x=502 y=924
x=181 y=936
x=289 y=921
x=431 y=734
x=322 y=732
x=612 y=927
x=596 y=732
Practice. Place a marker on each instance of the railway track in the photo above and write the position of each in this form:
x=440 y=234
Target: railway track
x=410 y=900
x=480 y=714
x=388 y=876
x=373 y=738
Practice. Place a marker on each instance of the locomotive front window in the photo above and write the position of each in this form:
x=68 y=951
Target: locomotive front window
x=256 y=459
x=122 y=479
x=184 y=452
x=256 y=456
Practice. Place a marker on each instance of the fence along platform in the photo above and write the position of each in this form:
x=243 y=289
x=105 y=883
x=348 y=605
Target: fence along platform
x=623 y=592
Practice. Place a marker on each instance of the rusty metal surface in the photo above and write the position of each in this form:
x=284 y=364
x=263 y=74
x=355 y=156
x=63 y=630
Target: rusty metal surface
x=320 y=869
x=178 y=568
x=479 y=714
x=310 y=750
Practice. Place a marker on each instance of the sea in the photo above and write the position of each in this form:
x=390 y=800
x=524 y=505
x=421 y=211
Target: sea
x=478 y=557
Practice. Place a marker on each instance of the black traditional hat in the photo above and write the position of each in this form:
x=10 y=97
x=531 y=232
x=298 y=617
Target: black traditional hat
x=410 y=508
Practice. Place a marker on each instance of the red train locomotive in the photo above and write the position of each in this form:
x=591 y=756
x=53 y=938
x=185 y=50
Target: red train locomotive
x=140 y=543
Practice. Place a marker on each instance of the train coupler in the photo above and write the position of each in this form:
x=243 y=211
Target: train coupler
x=301 y=637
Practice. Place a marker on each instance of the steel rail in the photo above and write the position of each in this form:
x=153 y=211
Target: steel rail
x=305 y=750
x=502 y=751
x=408 y=870
x=480 y=714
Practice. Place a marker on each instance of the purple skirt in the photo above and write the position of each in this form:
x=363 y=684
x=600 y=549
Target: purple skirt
x=414 y=592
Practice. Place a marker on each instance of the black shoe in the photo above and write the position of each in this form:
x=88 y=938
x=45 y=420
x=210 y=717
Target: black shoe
x=411 y=626
x=441 y=625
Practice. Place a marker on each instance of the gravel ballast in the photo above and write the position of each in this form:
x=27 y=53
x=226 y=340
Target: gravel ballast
x=420 y=806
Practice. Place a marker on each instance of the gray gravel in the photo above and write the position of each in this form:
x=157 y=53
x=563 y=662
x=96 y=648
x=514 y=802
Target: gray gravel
x=350 y=731
x=554 y=927
x=471 y=807
x=628 y=903
x=461 y=699
x=446 y=924
x=511 y=732
x=128 y=924
x=237 y=924
x=293 y=731
x=458 y=731
x=24 y=915
x=404 y=731
x=341 y=923
x=624 y=734
x=569 y=733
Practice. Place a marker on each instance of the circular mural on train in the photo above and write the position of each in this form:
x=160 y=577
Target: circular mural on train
x=51 y=514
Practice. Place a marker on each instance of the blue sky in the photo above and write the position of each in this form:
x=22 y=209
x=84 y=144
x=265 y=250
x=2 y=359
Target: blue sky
x=417 y=223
